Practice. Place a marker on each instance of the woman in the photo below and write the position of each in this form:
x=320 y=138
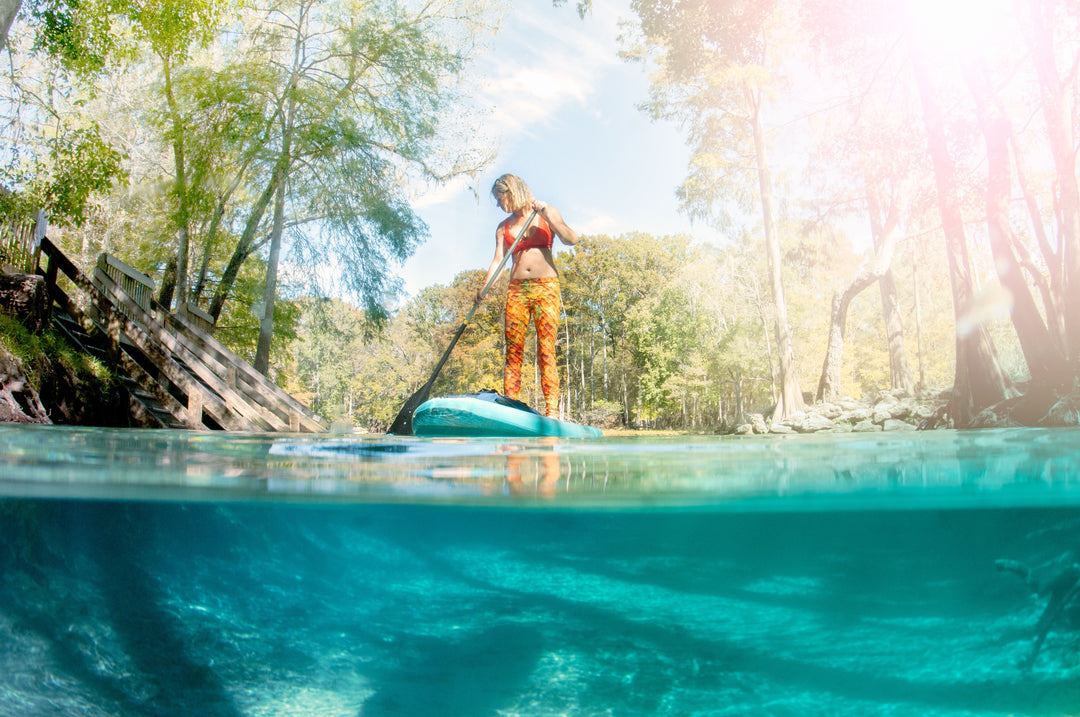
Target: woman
x=534 y=283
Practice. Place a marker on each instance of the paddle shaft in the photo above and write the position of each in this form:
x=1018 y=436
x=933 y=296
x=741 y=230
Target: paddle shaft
x=402 y=425
x=483 y=292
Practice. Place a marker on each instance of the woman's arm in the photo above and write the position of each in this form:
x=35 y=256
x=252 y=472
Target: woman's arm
x=566 y=235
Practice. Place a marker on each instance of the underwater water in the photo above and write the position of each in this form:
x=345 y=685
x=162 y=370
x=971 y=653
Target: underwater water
x=177 y=573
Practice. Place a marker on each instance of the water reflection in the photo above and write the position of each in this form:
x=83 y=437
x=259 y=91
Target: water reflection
x=1010 y=467
x=531 y=474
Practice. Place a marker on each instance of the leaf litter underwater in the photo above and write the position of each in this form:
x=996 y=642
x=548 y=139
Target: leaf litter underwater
x=936 y=582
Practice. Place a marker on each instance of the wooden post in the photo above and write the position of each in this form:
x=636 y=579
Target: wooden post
x=114 y=339
x=50 y=272
x=41 y=228
x=194 y=410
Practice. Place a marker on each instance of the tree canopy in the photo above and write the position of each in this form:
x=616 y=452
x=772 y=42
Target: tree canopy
x=269 y=132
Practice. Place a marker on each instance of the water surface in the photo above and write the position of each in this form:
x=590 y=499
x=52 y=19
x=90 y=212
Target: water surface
x=161 y=573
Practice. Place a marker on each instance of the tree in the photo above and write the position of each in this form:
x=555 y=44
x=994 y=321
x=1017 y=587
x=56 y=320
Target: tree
x=715 y=77
x=59 y=157
x=8 y=10
x=1046 y=362
x=603 y=281
x=84 y=36
x=873 y=165
x=1046 y=18
x=172 y=28
x=870 y=272
x=317 y=114
x=355 y=98
x=927 y=49
x=979 y=381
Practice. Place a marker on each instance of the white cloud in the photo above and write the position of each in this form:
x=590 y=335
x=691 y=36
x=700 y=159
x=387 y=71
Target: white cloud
x=598 y=224
x=545 y=60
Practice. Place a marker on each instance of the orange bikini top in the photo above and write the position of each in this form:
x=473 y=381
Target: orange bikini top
x=541 y=236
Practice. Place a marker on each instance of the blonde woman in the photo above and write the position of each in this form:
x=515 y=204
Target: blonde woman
x=534 y=283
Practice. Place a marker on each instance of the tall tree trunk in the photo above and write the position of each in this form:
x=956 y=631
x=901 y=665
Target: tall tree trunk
x=979 y=381
x=168 y=283
x=567 y=399
x=828 y=388
x=211 y=234
x=286 y=112
x=740 y=409
x=246 y=245
x=871 y=271
x=1050 y=284
x=266 y=325
x=625 y=400
x=1058 y=116
x=182 y=216
x=918 y=313
x=583 y=391
x=900 y=376
x=790 y=400
x=8 y=10
x=883 y=231
x=1045 y=364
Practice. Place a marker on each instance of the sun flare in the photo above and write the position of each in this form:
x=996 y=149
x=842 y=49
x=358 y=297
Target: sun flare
x=959 y=26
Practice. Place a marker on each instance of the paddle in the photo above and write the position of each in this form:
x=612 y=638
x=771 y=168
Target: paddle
x=402 y=425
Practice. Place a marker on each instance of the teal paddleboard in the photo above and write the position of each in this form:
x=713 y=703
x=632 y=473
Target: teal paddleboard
x=491 y=415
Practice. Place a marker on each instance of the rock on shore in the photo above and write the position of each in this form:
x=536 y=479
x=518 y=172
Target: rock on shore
x=888 y=411
x=19 y=401
x=899 y=411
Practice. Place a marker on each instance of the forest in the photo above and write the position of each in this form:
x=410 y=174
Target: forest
x=920 y=233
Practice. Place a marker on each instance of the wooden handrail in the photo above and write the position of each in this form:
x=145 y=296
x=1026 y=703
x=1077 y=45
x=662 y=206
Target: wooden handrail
x=115 y=323
x=251 y=382
x=184 y=356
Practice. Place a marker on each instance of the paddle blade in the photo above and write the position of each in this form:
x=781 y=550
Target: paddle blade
x=402 y=425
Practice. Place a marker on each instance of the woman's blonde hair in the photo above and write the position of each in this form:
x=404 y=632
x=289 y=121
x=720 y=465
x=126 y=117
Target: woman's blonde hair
x=515 y=186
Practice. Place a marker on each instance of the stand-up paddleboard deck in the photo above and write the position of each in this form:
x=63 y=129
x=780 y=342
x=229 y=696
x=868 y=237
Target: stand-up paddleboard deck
x=490 y=414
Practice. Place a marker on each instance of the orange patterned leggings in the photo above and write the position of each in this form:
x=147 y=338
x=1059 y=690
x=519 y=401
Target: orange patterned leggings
x=536 y=300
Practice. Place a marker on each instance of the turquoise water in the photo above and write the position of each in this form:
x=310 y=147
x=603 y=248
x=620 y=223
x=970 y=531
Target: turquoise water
x=162 y=573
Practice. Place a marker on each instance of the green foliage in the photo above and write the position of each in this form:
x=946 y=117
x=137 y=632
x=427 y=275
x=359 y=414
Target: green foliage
x=604 y=414
x=84 y=36
x=61 y=172
x=669 y=332
x=370 y=111
x=346 y=372
x=340 y=100
x=30 y=347
x=77 y=33
x=173 y=27
x=82 y=164
x=656 y=330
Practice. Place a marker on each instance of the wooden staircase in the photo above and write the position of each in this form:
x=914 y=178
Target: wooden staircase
x=176 y=373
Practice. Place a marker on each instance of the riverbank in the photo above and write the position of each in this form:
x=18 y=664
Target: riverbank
x=43 y=381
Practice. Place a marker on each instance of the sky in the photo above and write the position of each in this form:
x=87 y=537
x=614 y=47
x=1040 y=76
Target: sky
x=563 y=110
